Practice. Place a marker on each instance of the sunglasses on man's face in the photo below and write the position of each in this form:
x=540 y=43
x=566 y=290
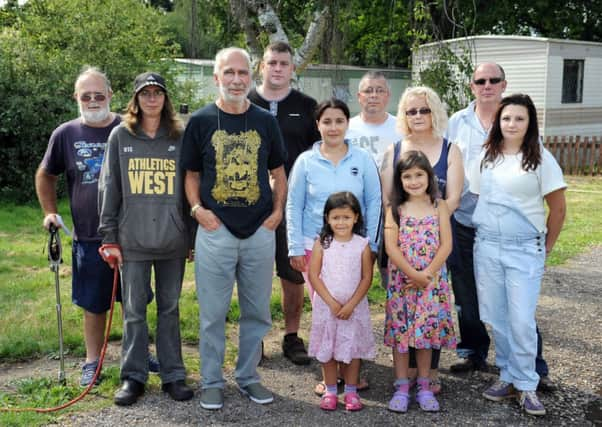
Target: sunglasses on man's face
x=423 y=111
x=493 y=81
x=87 y=97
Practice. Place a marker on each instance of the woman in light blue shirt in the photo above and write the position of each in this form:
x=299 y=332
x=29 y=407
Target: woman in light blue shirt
x=331 y=165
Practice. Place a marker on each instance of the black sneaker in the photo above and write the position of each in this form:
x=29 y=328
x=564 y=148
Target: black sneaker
x=546 y=385
x=469 y=365
x=153 y=364
x=294 y=349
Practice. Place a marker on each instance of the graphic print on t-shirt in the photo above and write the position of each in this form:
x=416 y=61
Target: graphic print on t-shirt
x=148 y=175
x=236 y=155
x=88 y=159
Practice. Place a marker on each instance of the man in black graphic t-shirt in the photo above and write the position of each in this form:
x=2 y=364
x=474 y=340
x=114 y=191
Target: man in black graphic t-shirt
x=231 y=150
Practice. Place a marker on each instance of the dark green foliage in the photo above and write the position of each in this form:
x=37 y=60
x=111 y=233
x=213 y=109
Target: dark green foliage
x=43 y=46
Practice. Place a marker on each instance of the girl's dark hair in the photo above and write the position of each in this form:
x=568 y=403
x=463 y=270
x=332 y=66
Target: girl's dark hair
x=530 y=147
x=332 y=103
x=408 y=160
x=341 y=199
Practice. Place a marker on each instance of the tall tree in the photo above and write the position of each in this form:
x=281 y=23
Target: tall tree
x=259 y=19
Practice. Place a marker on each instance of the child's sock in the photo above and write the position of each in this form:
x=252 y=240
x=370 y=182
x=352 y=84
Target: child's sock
x=402 y=384
x=331 y=389
x=424 y=383
x=350 y=388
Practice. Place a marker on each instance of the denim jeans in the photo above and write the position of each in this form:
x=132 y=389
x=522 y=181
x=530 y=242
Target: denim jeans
x=509 y=270
x=220 y=259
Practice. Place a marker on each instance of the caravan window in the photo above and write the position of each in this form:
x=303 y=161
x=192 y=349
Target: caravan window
x=572 y=81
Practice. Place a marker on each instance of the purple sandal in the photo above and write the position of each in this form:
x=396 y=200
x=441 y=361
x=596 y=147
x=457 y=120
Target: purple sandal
x=425 y=397
x=401 y=398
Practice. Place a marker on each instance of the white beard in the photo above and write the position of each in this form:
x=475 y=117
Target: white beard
x=98 y=116
x=228 y=97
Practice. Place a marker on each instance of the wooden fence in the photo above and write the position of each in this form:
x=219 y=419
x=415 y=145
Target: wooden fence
x=576 y=155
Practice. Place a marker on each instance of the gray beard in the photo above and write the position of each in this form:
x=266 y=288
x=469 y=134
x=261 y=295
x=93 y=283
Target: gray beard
x=94 y=116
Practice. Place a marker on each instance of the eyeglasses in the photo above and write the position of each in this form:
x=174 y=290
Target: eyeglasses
x=151 y=93
x=97 y=96
x=377 y=90
x=423 y=111
x=493 y=81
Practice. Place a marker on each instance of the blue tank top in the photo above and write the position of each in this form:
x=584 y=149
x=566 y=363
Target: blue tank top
x=440 y=168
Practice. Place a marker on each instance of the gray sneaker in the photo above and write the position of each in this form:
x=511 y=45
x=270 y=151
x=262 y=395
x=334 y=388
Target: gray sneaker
x=88 y=372
x=499 y=391
x=258 y=393
x=212 y=398
x=529 y=401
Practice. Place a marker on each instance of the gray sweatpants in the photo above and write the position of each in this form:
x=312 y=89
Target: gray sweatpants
x=134 y=349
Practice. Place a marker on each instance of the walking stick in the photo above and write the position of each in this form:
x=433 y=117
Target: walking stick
x=55 y=259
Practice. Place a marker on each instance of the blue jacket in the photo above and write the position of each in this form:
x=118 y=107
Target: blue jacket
x=314 y=178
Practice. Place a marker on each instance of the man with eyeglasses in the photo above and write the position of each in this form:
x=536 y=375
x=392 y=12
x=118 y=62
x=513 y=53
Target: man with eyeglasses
x=469 y=128
x=373 y=129
x=295 y=114
x=77 y=148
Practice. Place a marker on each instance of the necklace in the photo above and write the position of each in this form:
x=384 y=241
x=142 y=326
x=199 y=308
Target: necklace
x=219 y=125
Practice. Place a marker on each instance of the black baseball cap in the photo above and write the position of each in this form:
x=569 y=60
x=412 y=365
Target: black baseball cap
x=148 y=79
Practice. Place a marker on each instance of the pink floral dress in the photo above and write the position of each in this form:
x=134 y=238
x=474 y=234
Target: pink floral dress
x=332 y=338
x=419 y=318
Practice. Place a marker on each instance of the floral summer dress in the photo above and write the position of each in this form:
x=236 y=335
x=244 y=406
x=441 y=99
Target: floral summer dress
x=332 y=338
x=419 y=318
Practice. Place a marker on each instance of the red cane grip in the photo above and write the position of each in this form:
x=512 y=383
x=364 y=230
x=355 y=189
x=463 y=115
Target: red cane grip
x=106 y=255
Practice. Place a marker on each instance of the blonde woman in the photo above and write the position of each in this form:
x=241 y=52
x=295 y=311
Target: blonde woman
x=422 y=118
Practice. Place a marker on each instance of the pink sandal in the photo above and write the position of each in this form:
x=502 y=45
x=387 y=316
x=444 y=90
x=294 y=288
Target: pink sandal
x=352 y=402
x=329 y=402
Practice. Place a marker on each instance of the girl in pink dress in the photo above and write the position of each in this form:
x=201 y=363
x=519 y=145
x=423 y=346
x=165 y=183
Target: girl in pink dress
x=418 y=311
x=340 y=271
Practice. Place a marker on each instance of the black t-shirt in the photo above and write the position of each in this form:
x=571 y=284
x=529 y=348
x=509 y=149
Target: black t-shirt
x=234 y=154
x=78 y=150
x=296 y=118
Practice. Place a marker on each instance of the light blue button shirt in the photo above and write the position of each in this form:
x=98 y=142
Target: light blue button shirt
x=314 y=178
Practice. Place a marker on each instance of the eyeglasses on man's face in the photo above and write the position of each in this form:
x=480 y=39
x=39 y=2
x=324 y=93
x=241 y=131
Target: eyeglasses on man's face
x=493 y=81
x=374 y=90
x=423 y=111
x=89 y=96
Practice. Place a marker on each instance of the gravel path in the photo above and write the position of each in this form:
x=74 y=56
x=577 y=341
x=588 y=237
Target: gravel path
x=569 y=319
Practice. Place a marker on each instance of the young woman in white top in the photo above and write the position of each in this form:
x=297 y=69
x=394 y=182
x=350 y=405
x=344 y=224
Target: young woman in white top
x=513 y=238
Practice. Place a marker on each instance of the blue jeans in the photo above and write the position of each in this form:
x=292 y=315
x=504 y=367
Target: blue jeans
x=220 y=259
x=509 y=270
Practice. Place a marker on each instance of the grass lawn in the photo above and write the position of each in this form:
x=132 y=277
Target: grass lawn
x=27 y=298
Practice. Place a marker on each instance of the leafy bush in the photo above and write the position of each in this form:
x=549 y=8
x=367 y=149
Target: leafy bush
x=43 y=46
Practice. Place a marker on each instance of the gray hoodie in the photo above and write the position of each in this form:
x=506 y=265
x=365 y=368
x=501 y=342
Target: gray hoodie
x=141 y=196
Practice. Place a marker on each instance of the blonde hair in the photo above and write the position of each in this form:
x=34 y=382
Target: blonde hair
x=438 y=110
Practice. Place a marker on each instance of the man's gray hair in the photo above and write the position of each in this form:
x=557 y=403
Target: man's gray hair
x=221 y=56
x=374 y=75
x=87 y=71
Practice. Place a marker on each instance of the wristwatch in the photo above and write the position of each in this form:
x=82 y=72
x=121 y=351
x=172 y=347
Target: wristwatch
x=195 y=208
